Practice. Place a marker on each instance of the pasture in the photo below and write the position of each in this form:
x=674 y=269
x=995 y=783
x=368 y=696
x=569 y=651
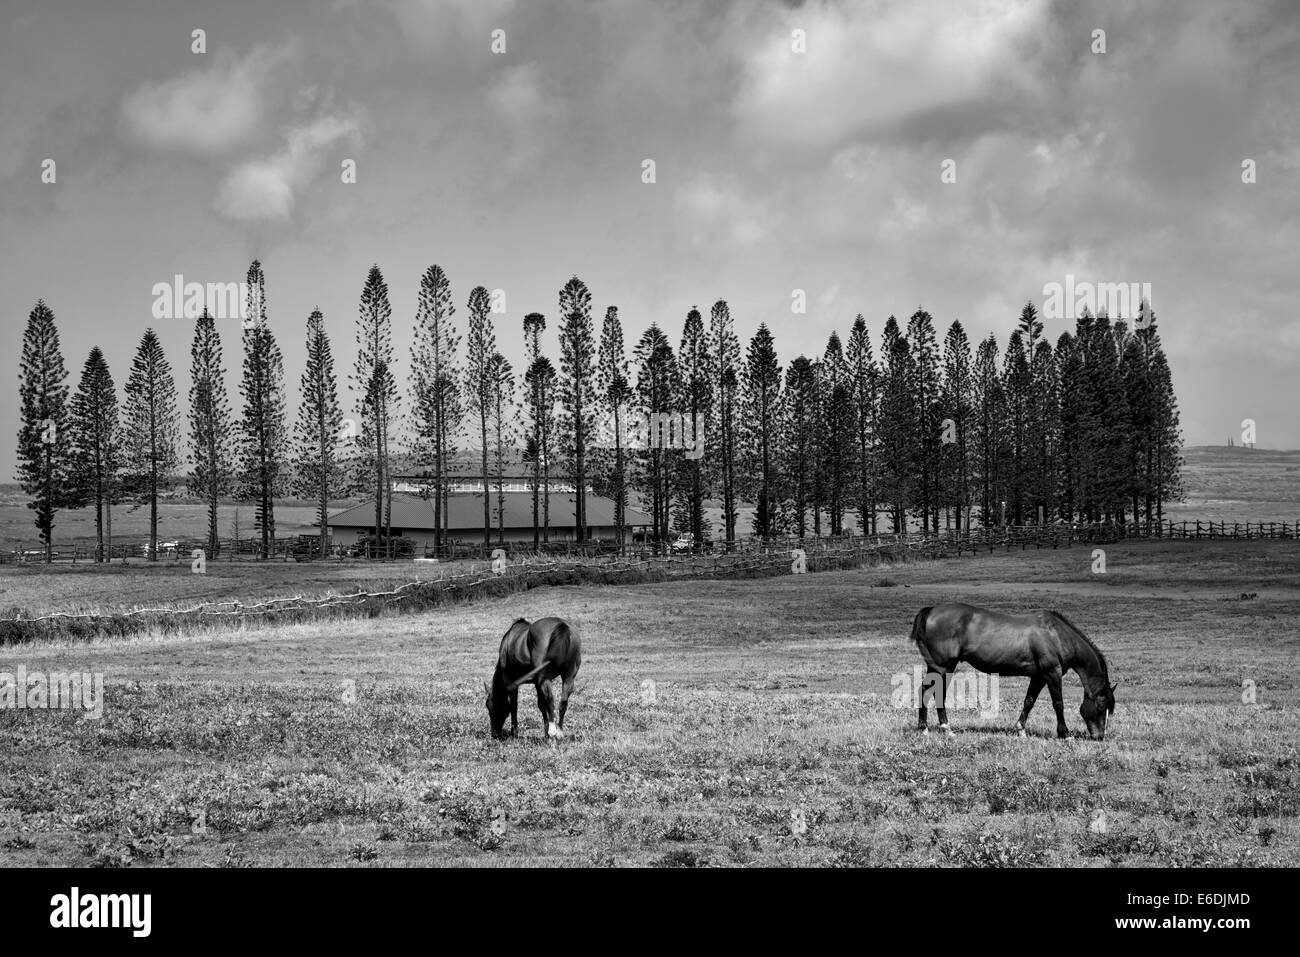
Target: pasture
x=770 y=735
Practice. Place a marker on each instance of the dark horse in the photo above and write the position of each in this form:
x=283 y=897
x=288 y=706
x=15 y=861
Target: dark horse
x=533 y=654
x=1041 y=646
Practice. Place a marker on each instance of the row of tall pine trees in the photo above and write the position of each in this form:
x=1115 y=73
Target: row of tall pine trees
x=917 y=432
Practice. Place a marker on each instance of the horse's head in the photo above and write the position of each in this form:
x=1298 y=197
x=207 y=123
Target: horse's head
x=1096 y=707
x=498 y=706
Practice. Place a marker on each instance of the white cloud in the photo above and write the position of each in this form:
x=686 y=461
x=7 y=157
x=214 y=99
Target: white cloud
x=209 y=110
x=433 y=24
x=871 y=66
x=266 y=188
x=530 y=114
x=517 y=96
x=715 y=210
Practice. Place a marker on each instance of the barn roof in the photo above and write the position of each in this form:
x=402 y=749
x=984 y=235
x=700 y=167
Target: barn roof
x=465 y=511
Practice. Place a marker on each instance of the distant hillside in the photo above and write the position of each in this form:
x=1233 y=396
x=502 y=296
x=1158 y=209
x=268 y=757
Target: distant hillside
x=1233 y=484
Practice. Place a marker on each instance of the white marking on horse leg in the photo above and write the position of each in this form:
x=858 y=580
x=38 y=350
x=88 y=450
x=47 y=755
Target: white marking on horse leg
x=552 y=730
x=1022 y=733
x=925 y=730
x=946 y=730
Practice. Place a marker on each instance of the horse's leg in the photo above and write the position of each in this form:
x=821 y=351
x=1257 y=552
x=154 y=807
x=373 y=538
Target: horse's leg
x=941 y=696
x=1035 y=686
x=514 y=713
x=565 y=690
x=928 y=683
x=1054 y=687
x=546 y=705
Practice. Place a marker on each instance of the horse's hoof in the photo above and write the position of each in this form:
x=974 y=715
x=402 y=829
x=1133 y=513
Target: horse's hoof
x=925 y=730
x=1022 y=733
x=947 y=730
x=553 y=731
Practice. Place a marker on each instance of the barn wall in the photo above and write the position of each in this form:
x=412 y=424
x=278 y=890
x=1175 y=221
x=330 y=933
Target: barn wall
x=345 y=536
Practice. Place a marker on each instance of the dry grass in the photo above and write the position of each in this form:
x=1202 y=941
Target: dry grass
x=771 y=740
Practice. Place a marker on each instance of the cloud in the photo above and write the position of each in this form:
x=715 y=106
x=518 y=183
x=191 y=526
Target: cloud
x=517 y=96
x=530 y=114
x=208 y=110
x=714 y=210
x=433 y=24
x=870 y=68
x=266 y=188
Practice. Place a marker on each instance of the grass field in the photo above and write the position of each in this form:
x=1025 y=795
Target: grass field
x=771 y=738
x=82 y=588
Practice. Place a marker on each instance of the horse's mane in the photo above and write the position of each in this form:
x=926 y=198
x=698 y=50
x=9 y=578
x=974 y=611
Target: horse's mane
x=1105 y=670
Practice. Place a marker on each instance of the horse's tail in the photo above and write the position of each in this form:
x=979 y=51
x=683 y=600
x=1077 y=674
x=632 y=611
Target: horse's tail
x=918 y=625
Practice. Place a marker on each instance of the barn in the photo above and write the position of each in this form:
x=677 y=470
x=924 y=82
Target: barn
x=412 y=514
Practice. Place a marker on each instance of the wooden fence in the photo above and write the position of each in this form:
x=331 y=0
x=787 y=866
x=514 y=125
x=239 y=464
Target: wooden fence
x=974 y=541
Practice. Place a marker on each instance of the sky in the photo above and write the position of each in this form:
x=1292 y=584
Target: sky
x=796 y=146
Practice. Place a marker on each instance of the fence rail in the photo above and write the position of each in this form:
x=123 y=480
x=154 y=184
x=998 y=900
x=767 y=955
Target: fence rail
x=949 y=541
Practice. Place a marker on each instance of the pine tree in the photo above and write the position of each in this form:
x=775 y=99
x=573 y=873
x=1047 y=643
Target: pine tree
x=923 y=350
x=374 y=380
x=1105 y=443
x=1038 y=386
x=43 y=446
x=990 y=442
x=957 y=396
x=436 y=400
x=1044 y=431
x=261 y=431
x=95 y=453
x=540 y=385
x=1070 y=423
x=899 y=428
x=577 y=391
x=502 y=378
x=865 y=379
x=1016 y=387
x=613 y=394
x=1164 y=442
x=724 y=349
x=656 y=392
x=318 y=471
x=761 y=386
x=151 y=430
x=1168 y=439
x=799 y=442
x=695 y=365
x=837 y=432
x=210 y=432
x=480 y=347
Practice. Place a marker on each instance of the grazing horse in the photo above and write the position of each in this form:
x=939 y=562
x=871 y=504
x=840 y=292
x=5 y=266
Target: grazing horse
x=1042 y=646
x=533 y=654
